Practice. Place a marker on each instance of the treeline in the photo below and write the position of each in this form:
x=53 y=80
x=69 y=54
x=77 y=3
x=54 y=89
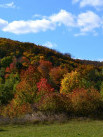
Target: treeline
x=35 y=78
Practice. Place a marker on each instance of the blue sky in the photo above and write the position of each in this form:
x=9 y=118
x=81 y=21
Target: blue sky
x=69 y=26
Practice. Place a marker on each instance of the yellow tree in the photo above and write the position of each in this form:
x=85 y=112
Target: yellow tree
x=70 y=82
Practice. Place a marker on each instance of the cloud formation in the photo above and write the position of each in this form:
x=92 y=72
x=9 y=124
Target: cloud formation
x=3 y=23
x=63 y=17
x=32 y=26
x=50 y=44
x=86 y=22
x=8 y=5
x=94 y=3
x=44 y=24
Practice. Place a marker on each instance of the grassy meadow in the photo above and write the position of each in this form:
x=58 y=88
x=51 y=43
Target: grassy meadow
x=73 y=128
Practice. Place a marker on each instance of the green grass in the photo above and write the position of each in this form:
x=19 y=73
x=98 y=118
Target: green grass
x=70 y=129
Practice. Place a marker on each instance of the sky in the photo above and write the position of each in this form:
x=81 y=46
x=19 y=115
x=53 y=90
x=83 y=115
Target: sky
x=68 y=26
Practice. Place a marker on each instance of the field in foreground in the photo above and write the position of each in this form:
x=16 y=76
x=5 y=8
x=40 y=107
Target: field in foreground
x=70 y=129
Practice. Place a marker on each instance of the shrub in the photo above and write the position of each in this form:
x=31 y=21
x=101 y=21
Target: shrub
x=14 y=109
x=55 y=103
x=86 y=101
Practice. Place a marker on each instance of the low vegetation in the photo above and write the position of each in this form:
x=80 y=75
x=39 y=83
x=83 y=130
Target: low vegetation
x=70 y=129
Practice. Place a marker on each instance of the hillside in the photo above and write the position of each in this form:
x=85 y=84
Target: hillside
x=9 y=48
x=33 y=77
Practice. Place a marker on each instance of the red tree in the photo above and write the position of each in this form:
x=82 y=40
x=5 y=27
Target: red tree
x=44 y=87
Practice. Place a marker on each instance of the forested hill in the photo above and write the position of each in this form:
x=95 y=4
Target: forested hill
x=34 y=77
x=18 y=49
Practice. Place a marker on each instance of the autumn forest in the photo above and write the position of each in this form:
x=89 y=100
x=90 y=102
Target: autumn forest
x=36 y=78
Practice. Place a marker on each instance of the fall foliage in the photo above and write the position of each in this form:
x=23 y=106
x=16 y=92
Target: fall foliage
x=32 y=75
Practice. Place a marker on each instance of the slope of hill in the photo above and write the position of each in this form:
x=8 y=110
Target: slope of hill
x=10 y=47
x=35 y=77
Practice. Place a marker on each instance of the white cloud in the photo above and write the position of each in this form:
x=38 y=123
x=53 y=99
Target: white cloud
x=8 y=5
x=88 y=21
x=50 y=44
x=3 y=23
x=94 y=3
x=63 y=17
x=23 y=27
x=44 y=24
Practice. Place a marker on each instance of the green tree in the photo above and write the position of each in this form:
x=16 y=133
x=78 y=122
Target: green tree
x=5 y=62
x=7 y=90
